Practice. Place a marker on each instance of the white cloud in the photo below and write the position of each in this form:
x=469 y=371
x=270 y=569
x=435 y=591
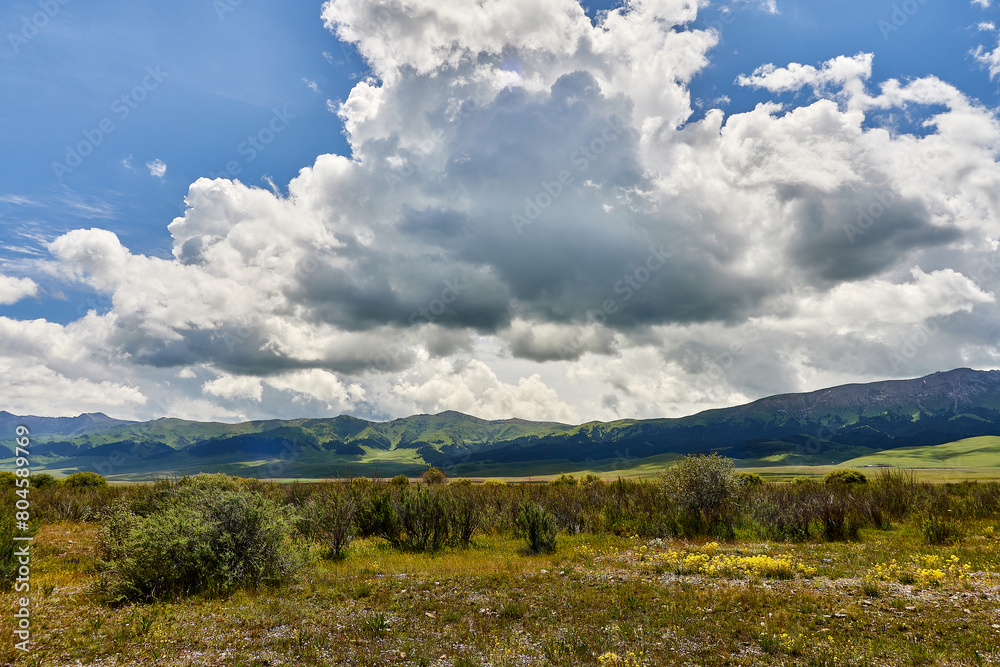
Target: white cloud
x=13 y=290
x=235 y=388
x=987 y=26
x=985 y=4
x=313 y=86
x=990 y=59
x=157 y=168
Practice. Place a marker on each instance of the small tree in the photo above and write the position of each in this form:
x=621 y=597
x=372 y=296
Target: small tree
x=704 y=489
x=400 y=480
x=565 y=479
x=78 y=479
x=434 y=476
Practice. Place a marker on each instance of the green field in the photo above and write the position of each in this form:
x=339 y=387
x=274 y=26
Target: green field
x=982 y=452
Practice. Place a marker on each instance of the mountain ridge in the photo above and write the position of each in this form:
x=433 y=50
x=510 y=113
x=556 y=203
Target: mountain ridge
x=856 y=419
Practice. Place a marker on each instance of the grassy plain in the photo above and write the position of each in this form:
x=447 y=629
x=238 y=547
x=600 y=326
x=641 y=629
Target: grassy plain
x=598 y=600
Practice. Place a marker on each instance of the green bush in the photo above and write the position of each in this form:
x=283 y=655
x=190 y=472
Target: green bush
x=537 y=526
x=705 y=490
x=433 y=476
x=845 y=476
x=211 y=533
x=425 y=519
x=751 y=479
x=41 y=480
x=939 y=529
x=8 y=561
x=565 y=480
x=85 y=479
x=400 y=480
x=8 y=480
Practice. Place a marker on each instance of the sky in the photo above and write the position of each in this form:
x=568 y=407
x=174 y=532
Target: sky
x=228 y=210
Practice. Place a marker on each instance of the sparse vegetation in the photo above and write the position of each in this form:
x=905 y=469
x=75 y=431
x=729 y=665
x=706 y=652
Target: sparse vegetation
x=467 y=569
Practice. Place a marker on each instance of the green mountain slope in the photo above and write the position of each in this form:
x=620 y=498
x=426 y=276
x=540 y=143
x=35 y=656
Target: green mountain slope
x=826 y=426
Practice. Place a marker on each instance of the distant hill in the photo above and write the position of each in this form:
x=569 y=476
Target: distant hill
x=829 y=425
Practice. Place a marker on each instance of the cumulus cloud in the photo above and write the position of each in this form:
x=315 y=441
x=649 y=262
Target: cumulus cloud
x=532 y=223
x=13 y=290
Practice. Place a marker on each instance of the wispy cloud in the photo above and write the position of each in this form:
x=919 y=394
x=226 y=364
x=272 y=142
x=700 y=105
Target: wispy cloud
x=990 y=59
x=91 y=210
x=18 y=200
x=313 y=86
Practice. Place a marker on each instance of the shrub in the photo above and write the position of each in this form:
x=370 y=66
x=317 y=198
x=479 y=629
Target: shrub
x=565 y=480
x=425 y=519
x=329 y=517
x=433 y=476
x=592 y=479
x=8 y=480
x=750 y=479
x=213 y=533
x=939 y=529
x=459 y=482
x=845 y=476
x=468 y=513
x=41 y=480
x=85 y=479
x=8 y=560
x=705 y=489
x=537 y=526
x=839 y=515
x=400 y=480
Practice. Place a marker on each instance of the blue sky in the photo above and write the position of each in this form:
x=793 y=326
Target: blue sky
x=162 y=95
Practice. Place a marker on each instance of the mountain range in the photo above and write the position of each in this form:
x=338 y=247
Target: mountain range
x=825 y=426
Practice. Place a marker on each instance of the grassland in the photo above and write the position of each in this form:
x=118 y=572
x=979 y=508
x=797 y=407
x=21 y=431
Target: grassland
x=970 y=453
x=599 y=599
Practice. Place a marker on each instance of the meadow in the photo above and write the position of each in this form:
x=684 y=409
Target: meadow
x=700 y=566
